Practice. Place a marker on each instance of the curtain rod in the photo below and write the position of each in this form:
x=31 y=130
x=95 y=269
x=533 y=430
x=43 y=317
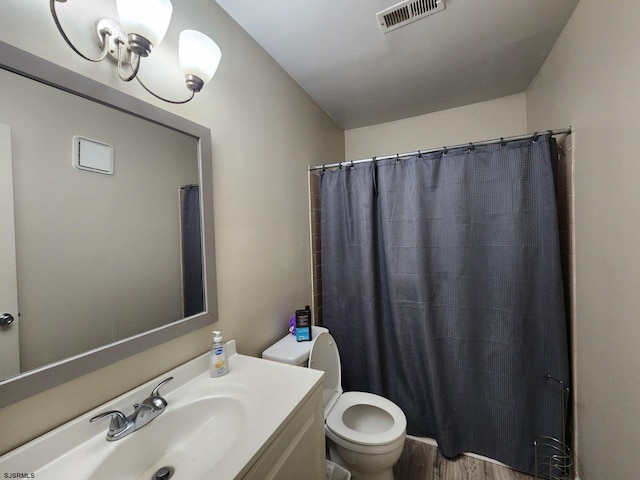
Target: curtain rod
x=563 y=131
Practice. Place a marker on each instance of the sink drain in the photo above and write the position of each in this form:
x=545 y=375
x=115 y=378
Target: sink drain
x=164 y=473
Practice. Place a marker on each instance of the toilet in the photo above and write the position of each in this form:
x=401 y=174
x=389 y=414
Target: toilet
x=365 y=432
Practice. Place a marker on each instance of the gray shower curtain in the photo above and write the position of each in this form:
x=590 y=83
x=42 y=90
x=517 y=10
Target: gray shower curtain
x=442 y=285
x=192 y=284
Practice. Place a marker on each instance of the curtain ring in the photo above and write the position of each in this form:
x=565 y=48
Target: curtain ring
x=419 y=154
x=444 y=151
x=535 y=137
x=374 y=175
x=324 y=168
x=502 y=142
x=340 y=166
x=397 y=158
x=352 y=165
x=471 y=148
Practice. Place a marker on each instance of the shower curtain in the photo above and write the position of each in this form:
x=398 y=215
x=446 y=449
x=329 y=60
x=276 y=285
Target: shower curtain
x=442 y=285
x=192 y=286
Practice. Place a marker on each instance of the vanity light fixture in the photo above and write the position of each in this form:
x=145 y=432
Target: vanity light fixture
x=142 y=26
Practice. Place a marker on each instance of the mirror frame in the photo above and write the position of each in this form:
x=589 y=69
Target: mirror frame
x=38 y=380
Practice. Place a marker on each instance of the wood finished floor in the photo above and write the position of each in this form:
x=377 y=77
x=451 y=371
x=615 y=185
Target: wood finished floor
x=420 y=461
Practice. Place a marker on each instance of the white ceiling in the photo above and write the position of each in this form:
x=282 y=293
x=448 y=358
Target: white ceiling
x=470 y=52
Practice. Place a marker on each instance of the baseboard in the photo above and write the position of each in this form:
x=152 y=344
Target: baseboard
x=427 y=440
x=433 y=443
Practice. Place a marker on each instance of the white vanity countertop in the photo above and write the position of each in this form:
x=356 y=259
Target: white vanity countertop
x=269 y=393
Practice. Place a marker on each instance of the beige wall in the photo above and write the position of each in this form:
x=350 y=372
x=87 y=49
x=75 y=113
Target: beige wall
x=590 y=80
x=265 y=132
x=501 y=117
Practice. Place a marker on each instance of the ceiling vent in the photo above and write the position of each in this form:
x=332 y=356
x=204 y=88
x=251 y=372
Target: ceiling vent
x=406 y=12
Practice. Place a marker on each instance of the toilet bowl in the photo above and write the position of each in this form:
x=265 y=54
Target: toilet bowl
x=365 y=432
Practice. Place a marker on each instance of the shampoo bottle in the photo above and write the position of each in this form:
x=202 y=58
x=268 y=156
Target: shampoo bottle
x=219 y=364
x=303 y=324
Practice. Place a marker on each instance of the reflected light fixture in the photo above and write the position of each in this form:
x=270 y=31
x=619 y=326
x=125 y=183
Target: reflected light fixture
x=142 y=26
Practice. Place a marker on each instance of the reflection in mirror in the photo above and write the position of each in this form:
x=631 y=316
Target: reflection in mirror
x=98 y=256
x=101 y=257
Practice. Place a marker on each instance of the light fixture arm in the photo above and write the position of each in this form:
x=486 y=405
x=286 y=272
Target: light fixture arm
x=134 y=61
x=105 y=33
x=175 y=102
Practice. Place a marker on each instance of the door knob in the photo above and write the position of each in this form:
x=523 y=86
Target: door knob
x=6 y=319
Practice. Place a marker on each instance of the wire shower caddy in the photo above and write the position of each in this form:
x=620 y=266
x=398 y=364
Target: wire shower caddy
x=553 y=457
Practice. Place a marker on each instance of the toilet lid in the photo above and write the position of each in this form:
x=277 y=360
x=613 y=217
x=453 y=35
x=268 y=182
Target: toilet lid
x=324 y=356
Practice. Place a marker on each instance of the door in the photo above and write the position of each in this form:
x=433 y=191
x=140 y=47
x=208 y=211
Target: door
x=9 y=341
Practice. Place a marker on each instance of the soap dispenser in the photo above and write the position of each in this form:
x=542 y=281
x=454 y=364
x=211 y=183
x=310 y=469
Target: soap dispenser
x=219 y=363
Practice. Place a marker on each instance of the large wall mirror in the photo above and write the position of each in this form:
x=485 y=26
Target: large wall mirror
x=106 y=264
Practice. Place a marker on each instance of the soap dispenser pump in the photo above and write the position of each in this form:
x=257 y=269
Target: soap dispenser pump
x=219 y=363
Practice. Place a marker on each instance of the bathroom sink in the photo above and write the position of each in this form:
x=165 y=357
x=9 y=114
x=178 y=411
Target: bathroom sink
x=211 y=428
x=190 y=439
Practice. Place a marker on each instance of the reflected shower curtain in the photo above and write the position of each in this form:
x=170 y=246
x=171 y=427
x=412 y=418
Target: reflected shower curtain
x=192 y=285
x=442 y=286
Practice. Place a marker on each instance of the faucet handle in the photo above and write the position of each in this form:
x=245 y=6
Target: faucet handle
x=155 y=401
x=118 y=419
x=156 y=391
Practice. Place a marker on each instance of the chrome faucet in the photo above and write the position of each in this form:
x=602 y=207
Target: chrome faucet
x=143 y=413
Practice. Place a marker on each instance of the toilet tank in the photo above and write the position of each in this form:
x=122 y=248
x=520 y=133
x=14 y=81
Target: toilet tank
x=288 y=350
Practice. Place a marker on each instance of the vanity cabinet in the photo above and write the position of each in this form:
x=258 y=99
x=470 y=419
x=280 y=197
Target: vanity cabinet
x=298 y=448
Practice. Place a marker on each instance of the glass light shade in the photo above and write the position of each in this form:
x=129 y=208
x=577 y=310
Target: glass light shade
x=147 y=18
x=199 y=55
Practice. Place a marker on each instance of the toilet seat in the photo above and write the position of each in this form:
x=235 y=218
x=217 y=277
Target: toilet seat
x=386 y=422
x=389 y=424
